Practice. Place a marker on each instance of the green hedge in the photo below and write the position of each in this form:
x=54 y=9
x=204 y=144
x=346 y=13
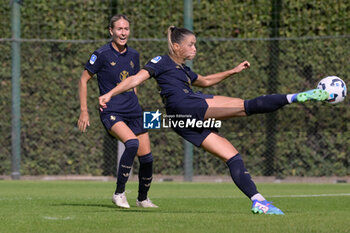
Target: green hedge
x=305 y=140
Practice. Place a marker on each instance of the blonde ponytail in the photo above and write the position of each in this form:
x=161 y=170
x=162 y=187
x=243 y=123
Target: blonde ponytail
x=176 y=35
x=170 y=42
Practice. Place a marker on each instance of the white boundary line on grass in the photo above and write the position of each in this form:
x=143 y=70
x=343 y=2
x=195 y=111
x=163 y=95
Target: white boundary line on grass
x=57 y=218
x=267 y=196
x=278 y=196
x=315 y=195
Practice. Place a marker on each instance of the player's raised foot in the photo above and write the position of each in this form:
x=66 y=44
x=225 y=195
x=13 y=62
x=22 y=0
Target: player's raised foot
x=265 y=207
x=314 y=94
x=120 y=200
x=146 y=204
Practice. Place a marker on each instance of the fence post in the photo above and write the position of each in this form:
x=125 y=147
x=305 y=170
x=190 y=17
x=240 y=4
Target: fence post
x=271 y=121
x=188 y=147
x=121 y=149
x=16 y=93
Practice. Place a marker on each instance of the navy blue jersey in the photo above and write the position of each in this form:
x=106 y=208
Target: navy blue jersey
x=174 y=80
x=111 y=68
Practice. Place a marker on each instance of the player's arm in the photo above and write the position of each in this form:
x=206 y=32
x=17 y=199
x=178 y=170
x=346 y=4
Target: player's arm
x=83 y=121
x=126 y=84
x=212 y=79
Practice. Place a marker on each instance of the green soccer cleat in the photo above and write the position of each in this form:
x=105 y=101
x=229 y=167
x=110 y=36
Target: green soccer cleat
x=315 y=94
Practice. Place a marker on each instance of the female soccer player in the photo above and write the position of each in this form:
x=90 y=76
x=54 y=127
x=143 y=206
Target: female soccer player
x=175 y=80
x=122 y=118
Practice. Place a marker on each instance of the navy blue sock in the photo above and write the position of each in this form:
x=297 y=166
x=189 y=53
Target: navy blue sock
x=125 y=164
x=265 y=104
x=145 y=175
x=241 y=176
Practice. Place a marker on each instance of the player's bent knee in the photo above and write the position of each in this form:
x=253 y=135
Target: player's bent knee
x=132 y=145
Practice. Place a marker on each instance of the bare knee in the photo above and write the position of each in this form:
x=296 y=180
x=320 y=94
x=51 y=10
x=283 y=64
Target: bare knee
x=222 y=107
x=219 y=146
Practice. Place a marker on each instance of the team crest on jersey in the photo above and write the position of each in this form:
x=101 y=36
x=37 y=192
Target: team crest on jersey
x=93 y=59
x=123 y=75
x=156 y=59
x=112 y=63
x=132 y=64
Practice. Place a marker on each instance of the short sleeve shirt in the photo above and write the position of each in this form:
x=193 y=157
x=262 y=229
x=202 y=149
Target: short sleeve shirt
x=173 y=79
x=111 y=68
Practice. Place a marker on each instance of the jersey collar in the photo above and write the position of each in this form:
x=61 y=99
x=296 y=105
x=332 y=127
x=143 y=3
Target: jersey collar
x=118 y=53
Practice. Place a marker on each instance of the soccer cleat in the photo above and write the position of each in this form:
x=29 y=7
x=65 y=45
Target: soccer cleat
x=265 y=207
x=146 y=204
x=120 y=200
x=315 y=94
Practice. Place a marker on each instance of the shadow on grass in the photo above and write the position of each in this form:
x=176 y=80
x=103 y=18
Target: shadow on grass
x=85 y=205
x=146 y=210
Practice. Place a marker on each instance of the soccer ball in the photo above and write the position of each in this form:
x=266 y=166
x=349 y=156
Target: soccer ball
x=336 y=88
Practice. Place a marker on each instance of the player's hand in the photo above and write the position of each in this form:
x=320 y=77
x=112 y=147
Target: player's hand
x=244 y=65
x=103 y=100
x=83 y=121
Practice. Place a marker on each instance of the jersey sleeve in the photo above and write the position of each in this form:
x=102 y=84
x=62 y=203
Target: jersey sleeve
x=136 y=63
x=95 y=63
x=154 y=66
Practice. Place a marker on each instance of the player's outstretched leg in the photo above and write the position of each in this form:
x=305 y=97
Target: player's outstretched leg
x=271 y=103
x=314 y=94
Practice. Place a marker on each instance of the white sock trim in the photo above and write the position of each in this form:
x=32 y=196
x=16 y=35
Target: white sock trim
x=289 y=98
x=258 y=197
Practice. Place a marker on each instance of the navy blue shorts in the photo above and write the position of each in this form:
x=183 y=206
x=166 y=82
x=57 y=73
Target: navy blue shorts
x=134 y=123
x=193 y=106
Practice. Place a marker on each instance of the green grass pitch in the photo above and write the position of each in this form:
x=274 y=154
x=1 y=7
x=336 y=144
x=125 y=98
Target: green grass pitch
x=76 y=206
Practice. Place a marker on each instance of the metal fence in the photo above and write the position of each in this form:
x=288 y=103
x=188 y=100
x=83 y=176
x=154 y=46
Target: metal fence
x=51 y=143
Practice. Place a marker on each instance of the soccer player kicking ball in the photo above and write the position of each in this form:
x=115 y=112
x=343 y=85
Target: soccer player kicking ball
x=175 y=80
